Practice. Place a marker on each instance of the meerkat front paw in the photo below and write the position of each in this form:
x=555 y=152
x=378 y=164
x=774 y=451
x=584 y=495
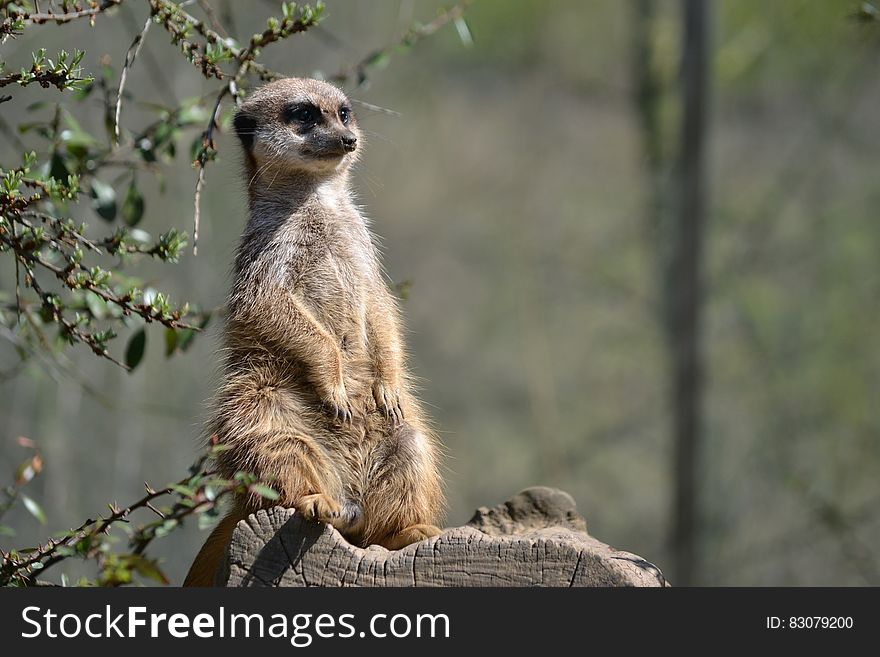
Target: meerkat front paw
x=339 y=405
x=319 y=507
x=388 y=401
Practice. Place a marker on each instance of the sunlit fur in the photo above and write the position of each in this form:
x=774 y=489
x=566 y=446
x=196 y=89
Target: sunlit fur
x=313 y=334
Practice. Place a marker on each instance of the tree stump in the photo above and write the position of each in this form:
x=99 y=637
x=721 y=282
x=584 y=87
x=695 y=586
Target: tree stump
x=537 y=538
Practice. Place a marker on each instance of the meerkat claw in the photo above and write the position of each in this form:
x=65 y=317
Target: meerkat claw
x=340 y=413
x=388 y=402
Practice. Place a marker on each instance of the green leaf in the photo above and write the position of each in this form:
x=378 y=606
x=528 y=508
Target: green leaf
x=265 y=491
x=97 y=306
x=134 y=353
x=150 y=569
x=170 y=341
x=33 y=508
x=166 y=527
x=6 y=531
x=464 y=32
x=378 y=59
x=164 y=132
x=185 y=338
x=133 y=205
x=185 y=491
x=195 y=148
x=193 y=114
x=73 y=125
x=83 y=92
x=145 y=148
x=57 y=168
x=103 y=200
x=77 y=142
x=207 y=520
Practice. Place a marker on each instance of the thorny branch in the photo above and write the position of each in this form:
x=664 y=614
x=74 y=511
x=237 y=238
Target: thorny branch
x=90 y=13
x=199 y=492
x=46 y=245
x=133 y=51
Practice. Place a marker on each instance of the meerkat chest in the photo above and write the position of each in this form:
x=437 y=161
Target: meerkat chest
x=336 y=279
x=342 y=277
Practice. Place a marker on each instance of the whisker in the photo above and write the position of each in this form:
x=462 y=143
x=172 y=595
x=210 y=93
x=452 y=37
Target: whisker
x=379 y=135
x=262 y=168
x=375 y=108
x=274 y=178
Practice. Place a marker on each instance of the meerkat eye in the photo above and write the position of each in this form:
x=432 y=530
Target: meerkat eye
x=304 y=114
x=344 y=115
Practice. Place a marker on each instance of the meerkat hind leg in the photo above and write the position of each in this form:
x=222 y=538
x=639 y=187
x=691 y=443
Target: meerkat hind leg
x=409 y=535
x=403 y=497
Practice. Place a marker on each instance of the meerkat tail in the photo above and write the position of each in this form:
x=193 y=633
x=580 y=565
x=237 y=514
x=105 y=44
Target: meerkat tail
x=203 y=571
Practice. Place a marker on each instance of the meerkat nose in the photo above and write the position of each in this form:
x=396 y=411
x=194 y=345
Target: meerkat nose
x=349 y=142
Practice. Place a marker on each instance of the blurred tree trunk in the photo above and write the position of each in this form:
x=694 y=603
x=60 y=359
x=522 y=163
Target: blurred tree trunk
x=685 y=290
x=675 y=209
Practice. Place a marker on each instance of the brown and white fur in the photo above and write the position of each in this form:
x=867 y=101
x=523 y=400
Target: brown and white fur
x=315 y=395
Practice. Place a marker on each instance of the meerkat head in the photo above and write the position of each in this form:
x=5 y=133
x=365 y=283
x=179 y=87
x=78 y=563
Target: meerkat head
x=298 y=124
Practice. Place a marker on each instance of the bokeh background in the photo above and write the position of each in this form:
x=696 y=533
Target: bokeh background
x=514 y=194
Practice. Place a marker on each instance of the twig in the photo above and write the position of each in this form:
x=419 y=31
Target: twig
x=63 y=274
x=133 y=51
x=164 y=9
x=82 y=531
x=38 y=18
x=63 y=371
x=27 y=571
x=17 y=282
x=52 y=221
x=51 y=548
x=45 y=78
x=212 y=16
x=411 y=37
x=202 y=159
x=69 y=328
x=150 y=506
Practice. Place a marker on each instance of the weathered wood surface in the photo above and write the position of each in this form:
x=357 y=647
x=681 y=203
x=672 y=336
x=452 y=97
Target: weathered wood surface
x=537 y=538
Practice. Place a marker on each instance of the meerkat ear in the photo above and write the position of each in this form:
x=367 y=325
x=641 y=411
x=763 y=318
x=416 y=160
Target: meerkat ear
x=245 y=125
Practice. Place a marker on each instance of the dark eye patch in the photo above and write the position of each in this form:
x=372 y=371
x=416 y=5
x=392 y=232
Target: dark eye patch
x=245 y=126
x=344 y=115
x=302 y=113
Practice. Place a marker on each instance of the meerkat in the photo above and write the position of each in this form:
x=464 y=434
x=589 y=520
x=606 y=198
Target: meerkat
x=315 y=395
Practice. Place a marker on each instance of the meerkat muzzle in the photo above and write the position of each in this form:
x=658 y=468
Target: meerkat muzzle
x=349 y=142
